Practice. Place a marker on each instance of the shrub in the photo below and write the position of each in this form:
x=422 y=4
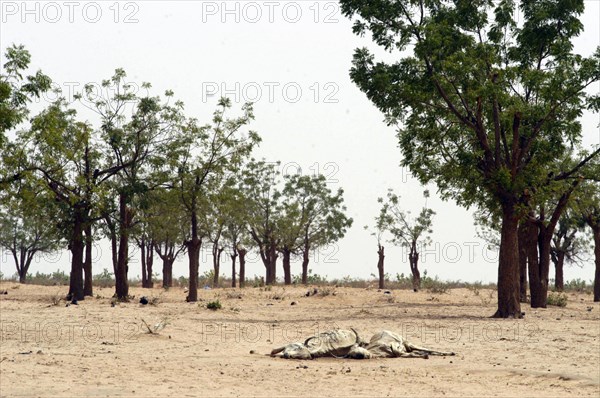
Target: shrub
x=214 y=305
x=104 y=279
x=56 y=278
x=557 y=299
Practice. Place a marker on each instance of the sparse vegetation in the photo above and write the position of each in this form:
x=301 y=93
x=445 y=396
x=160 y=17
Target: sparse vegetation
x=557 y=299
x=214 y=305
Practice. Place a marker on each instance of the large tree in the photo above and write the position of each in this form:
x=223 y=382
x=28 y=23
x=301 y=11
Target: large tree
x=486 y=102
x=208 y=152
x=136 y=149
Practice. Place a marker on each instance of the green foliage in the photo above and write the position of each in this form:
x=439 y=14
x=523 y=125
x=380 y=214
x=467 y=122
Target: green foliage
x=578 y=285
x=214 y=305
x=311 y=279
x=16 y=90
x=57 y=277
x=104 y=279
x=557 y=299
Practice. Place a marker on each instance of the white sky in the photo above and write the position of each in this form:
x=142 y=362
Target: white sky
x=308 y=112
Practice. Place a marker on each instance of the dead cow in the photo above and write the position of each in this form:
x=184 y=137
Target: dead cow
x=386 y=344
x=347 y=344
x=333 y=343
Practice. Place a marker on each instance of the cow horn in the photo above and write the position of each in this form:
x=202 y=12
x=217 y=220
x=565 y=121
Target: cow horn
x=357 y=336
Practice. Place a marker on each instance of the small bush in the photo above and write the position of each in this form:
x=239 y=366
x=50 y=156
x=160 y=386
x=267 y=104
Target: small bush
x=557 y=299
x=434 y=285
x=214 y=305
x=56 y=278
x=104 y=279
x=578 y=285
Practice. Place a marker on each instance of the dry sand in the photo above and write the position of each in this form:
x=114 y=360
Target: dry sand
x=94 y=350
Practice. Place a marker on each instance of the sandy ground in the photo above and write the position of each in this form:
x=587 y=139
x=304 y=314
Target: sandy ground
x=93 y=349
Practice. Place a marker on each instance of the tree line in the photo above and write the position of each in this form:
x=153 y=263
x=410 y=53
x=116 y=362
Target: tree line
x=147 y=174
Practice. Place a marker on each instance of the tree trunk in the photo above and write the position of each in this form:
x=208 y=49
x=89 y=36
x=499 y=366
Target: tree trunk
x=242 y=253
x=233 y=258
x=287 y=275
x=414 y=266
x=508 y=267
x=23 y=261
x=559 y=283
x=167 y=272
x=76 y=246
x=147 y=255
x=305 y=260
x=271 y=275
x=539 y=284
x=193 y=249
x=596 y=232
x=125 y=221
x=88 y=289
x=522 y=236
x=217 y=251
x=381 y=257
x=142 y=246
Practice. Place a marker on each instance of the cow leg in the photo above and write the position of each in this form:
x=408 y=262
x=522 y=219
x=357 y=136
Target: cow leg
x=412 y=348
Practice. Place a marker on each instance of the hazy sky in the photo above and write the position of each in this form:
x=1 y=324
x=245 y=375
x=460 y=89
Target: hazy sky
x=292 y=59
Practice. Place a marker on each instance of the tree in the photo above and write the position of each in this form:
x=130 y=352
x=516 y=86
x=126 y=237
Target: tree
x=259 y=187
x=208 y=152
x=567 y=244
x=233 y=209
x=486 y=103
x=589 y=208
x=410 y=233
x=290 y=229
x=382 y=222
x=26 y=226
x=60 y=156
x=16 y=92
x=163 y=224
x=136 y=150
x=321 y=213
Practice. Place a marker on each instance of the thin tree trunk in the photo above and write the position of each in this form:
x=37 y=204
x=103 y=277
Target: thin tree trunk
x=508 y=267
x=88 y=288
x=125 y=220
x=217 y=251
x=242 y=253
x=142 y=246
x=147 y=255
x=76 y=247
x=305 y=261
x=193 y=249
x=596 y=232
x=272 y=275
x=559 y=282
x=539 y=284
x=522 y=236
x=414 y=266
x=380 y=260
x=287 y=274
x=233 y=258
